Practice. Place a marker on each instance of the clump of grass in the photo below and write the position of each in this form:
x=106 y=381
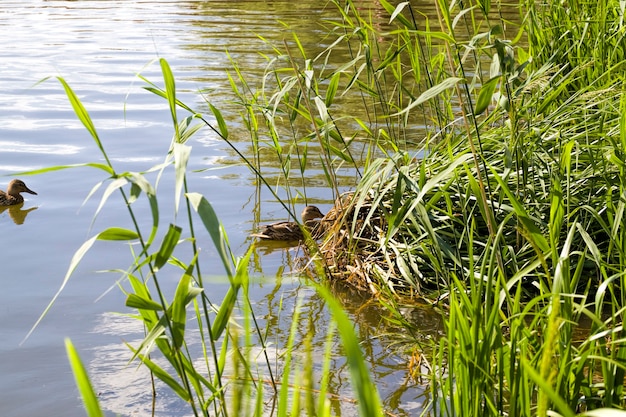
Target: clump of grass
x=414 y=224
x=510 y=211
x=515 y=219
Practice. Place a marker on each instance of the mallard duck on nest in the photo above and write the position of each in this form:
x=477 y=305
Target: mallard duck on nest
x=291 y=231
x=12 y=196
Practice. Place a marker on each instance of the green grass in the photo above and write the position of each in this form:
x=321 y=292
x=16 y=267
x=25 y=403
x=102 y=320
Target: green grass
x=223 y=377
x=509 y=212
x=491 y=181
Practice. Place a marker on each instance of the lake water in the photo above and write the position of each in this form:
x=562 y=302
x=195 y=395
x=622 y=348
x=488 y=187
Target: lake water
x=99 y=47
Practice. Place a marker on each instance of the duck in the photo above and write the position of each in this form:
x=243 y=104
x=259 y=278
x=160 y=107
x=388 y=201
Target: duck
x=12 y=196
x=291 y=231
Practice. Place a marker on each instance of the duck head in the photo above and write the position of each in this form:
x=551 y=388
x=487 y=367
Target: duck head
x=311 y=213
x=17 y=186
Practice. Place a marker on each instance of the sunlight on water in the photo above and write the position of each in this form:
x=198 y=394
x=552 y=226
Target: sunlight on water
x=21 y=147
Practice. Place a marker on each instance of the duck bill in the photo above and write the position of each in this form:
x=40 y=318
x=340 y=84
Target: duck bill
x=29 y=191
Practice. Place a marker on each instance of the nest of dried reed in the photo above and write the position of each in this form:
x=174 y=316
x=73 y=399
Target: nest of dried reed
x=354 y=247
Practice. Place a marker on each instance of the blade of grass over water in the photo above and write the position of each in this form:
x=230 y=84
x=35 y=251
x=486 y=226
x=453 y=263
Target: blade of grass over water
x=89 y=396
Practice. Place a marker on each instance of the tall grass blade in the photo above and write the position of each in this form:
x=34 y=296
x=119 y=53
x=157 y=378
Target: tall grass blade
x=167 y=246
x=221 y=123
x=181 y=158
x=486 y=95
x=87 y=393
x=83 y=116
x=366 y=393
x=179 y=310
x=213 y=226
x=108 y=234
x=432 y=92
x=170 y=91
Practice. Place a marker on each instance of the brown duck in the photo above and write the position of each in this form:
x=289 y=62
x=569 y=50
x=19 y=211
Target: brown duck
x=291 y=231
x=12 y=196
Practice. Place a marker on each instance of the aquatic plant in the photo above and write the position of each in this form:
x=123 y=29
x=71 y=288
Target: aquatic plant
x=224 y=375
x=508 y=215
x=510 y=210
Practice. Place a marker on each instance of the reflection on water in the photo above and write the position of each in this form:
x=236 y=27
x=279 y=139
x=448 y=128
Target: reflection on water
x=21 y=147
x=266 y=247
x=125 y=389
x=17 y=214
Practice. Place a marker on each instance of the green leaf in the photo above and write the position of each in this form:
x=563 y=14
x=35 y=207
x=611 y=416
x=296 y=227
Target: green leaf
x=104 y=167
x=398 y=10
x=228 y=304
x=181 y=157
x=485 y=6
x=486 y=95
x=187 y=129
x=144 y=185
x=437 y=35
x=591 y=244
x=117 y=233
x=87 y=393
x=220 y=121
x=179 y=311
x=82 y=114
x=436 y=180
x=321 y=108
x=223 y=314
x=431 y=93
x=213 y=226
x=395 y=13
x=340 y=153
x=170 y=89
x=141 y=303
x=153 y=337
x=390 y=59
x=331 y=91
x=149 y=316
x=527 y=221
x=167 y=246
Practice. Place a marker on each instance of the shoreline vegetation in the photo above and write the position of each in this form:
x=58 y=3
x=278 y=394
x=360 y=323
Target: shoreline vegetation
x=507 y=214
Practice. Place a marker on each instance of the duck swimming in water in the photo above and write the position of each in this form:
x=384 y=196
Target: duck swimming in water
x=291 y=231
x=12 y=196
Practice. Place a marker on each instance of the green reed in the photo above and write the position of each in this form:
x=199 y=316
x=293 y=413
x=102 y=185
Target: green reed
x=507 y=208
x=512 y=213
x=514 y=221
x=220 y=377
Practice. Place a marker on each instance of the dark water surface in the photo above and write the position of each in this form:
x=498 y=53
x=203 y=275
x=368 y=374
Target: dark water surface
x=98 y=47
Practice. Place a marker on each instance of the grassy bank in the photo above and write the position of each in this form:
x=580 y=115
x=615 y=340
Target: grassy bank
x=509 y=209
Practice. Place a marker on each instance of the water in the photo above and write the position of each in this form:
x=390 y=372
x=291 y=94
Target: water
x=98 y=47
